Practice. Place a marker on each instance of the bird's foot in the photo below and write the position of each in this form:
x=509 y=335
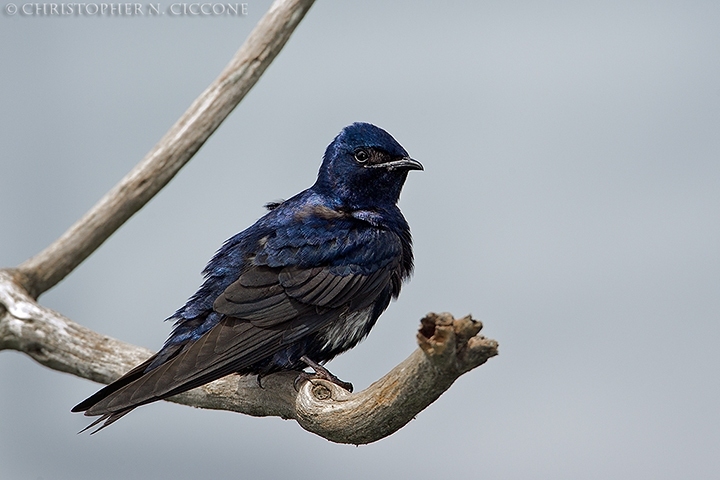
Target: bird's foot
x=321 y=373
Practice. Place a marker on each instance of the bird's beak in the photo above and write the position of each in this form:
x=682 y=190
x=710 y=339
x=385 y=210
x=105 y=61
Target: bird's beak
x=405 y=163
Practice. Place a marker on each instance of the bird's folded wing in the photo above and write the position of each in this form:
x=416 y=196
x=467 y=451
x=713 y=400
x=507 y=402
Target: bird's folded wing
x=264 y=310
x=269 y=297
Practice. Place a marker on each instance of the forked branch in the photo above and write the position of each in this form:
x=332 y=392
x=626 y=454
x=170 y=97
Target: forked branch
x=448 y=347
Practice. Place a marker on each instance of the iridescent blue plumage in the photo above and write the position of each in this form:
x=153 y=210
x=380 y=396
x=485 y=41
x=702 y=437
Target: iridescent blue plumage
x=303 y=284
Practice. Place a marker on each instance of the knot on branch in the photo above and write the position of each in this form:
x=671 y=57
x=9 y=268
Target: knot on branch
x=318 y=395
x=453 y=345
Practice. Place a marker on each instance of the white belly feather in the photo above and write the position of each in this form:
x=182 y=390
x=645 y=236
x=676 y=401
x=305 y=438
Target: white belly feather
x=348 y=330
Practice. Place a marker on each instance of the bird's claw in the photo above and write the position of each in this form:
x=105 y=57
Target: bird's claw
x=321 y=373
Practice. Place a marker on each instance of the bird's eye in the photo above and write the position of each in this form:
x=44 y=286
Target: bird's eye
x=362 y=156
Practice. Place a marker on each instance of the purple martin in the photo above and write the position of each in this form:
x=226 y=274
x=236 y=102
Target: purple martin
x=303 y=284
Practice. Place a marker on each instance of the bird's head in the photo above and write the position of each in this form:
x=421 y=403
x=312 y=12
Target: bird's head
x=364 y=167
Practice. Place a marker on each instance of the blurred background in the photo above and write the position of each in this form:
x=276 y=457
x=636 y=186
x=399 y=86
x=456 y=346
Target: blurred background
x=570 y=201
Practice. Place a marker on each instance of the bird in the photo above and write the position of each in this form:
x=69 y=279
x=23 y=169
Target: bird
x=302 y=285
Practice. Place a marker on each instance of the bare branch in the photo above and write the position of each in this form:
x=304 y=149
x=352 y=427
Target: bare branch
x=448 y=348
x=172 y=152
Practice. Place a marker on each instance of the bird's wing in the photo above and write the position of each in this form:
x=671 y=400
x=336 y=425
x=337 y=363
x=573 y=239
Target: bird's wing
x=269 y=297
x=265 y=310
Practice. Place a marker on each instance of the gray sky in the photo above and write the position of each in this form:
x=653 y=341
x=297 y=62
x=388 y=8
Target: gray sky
x=571 y=201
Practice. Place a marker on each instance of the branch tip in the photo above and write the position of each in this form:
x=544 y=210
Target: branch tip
x=454 y=344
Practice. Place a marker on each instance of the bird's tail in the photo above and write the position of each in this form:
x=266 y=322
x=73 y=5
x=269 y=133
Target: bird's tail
x=109 y=417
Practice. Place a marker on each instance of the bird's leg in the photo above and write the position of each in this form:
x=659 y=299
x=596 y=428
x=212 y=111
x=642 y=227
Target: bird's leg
x=322 y=373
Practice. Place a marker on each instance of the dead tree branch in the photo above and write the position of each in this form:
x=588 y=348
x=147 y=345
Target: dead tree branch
x=448 y=347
